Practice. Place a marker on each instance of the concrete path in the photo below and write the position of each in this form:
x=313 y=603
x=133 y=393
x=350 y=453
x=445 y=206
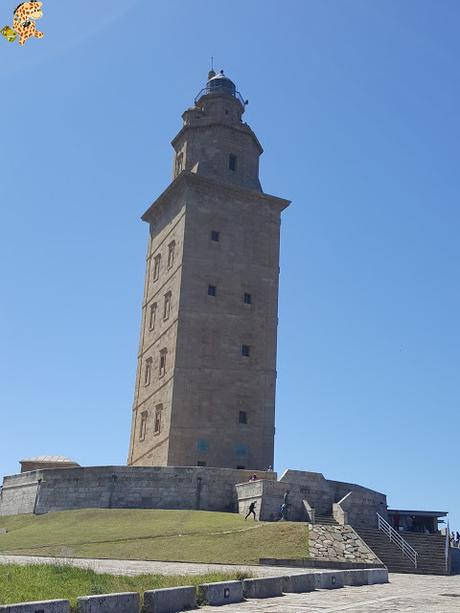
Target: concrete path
x=140 y=567
x=404 y=594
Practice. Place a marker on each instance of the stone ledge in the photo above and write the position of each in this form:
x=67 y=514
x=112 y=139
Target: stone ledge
x=44 y=606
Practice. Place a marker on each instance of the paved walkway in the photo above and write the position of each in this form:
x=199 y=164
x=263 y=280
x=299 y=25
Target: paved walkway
x=141 y=567
x=404 y=594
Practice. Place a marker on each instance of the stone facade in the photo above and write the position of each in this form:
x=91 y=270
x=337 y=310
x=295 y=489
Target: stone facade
x=339 y=543
x=207 y=358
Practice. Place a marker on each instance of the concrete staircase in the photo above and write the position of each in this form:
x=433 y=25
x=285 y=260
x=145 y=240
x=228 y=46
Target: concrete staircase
x=429 y=547
x=326 y=519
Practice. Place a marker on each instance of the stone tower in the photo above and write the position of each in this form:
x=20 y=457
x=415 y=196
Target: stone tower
x=206 y=375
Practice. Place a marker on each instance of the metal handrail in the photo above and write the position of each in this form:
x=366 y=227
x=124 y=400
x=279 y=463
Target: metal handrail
x=397 y=539
x=208 y=90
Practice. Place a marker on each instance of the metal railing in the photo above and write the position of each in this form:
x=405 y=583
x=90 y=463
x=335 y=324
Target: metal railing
x=208 y=90
x=397 y=539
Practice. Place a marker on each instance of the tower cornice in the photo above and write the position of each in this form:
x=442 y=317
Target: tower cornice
x=185 y=179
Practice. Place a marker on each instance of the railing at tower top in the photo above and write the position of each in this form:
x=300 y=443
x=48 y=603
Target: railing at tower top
x=397 y=539
x=214 y=90
x=447 y=548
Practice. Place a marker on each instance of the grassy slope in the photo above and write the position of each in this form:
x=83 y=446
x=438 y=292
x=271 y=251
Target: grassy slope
x=189 y=536
x=41 y=582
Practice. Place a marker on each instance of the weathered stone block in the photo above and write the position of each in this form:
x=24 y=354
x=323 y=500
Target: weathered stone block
x=263 y=587
x=170 y=600
x=377 y=575
x=329 y=580
x=299 y=583
x=355 y=577
x=128 y=602
x=222 y=592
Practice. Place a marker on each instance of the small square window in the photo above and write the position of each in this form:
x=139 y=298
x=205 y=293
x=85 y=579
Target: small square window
x=202 y=445
x=245 y=350
x=232 y=162
x=215 y=236
x=247 y=298
x=243 y=418
x=212 y=290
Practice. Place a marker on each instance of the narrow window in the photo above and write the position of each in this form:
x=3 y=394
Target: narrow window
x=167 y=306
x=157 y=425
x=232 y=162
x=201 y=463
x=243 y=418
x=247 y=298
x=179 y=163
x=171 y=253
x=143 y=426
x=215 y=236
x=162 y=371
x=156 y=267
x=212 y=290
x=239 y=467
x=245 y=350
x=148 y=371
x=152 y=316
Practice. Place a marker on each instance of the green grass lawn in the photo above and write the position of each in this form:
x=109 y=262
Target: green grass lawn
x=43 y=582
x=189 y=536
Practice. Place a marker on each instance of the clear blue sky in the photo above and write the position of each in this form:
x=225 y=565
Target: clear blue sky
x=357 y=106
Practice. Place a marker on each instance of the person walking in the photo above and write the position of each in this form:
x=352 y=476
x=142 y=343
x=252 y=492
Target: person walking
x=252 y=510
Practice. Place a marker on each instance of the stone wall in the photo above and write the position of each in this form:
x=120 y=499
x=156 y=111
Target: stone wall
x=363 y=504
x=19 y=493
x=339 y=543
x=210 y=489
x=269 y=496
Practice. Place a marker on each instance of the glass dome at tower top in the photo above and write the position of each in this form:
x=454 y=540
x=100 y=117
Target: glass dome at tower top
x=220 y=84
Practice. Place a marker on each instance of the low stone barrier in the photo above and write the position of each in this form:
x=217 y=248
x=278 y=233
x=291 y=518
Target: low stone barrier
x=45 y=606
x=170 y=600
x=299 y=583
x=263 y=587
x=329 y=580
x=326 y=564
x=377 y=575
x=355 y=577
x=128 y=602
x=221 y=592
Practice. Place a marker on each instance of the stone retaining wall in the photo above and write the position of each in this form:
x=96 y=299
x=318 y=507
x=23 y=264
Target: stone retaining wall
x=123 y=487
x=339 y=543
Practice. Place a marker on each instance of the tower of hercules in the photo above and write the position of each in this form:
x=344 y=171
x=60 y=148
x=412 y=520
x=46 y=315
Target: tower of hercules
x=206 y=374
